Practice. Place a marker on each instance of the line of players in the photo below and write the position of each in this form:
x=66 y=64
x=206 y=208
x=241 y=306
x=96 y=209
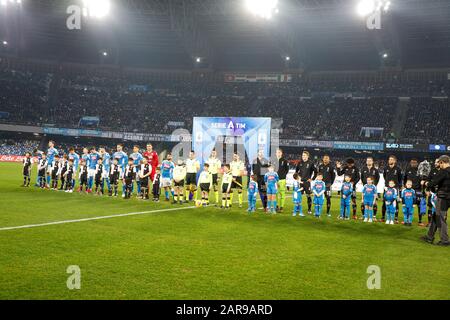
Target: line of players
x=96 y=169
x=405 y=188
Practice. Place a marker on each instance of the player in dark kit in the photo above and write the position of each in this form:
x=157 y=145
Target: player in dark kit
x=328 y=173
x=145 y=170
x=98 y=177
x=350 y=170
x=27 y=163
x=412 y=174
x=430 y=177
x=260 y=167
x=128 y=178
x=392 y=172
x=369 y=170
x=307 y=172
x=68 y=175
x=114 y=176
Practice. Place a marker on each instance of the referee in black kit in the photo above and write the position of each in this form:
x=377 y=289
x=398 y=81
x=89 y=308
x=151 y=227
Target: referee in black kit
x=439 y=220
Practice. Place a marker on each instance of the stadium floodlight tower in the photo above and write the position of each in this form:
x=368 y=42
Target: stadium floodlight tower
x=262 y=8
x=97 y=8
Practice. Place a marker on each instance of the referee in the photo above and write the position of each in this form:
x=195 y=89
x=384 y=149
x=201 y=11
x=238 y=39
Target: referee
x=439 y=220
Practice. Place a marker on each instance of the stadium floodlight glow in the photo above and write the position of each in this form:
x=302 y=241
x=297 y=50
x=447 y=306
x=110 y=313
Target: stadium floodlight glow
x=367 y=7
x=97 y=8
x=5 y=43
x=287 y=58
x=385 y=55
x=198 y=59
x=3 y=2
x=104 y=53
x=262 y=8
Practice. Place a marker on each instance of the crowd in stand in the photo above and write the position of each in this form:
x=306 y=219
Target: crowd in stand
x=306 y=108
x=17 y=147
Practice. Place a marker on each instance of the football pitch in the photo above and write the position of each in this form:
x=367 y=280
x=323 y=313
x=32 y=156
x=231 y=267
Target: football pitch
x=158 y=252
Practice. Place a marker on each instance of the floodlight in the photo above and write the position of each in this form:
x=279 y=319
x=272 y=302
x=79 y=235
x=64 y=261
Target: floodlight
x=3 y=2
x=198 y=59
x=288 y=58
x=262 y=8
x=5 y=43
x=385 y=55
x=104 y=53
x=97 y=8
x=365 y=7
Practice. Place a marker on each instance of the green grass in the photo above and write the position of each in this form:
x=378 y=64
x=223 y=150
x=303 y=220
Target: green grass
x=203 y=253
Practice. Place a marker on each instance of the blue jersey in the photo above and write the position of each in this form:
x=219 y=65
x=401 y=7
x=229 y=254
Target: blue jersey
x=390 y=194
x=347 y=189
x=93 y=159
x=122 y=159
x=51 y=153
x=433 y=202
x=319 y=189
x=167 y=169
x=408 y=197
x=106 y=161
x=297 y=195
x=137 y=157
x=369 y=193
x=252 y=187
x=271 y=179
x=86 y=159
x=75 y=158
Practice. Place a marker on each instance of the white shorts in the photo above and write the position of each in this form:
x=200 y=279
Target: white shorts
x=166 y=182
x=105 y=175
x=91 y=173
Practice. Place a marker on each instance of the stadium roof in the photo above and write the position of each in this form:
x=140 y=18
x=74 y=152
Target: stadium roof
x=315 y=34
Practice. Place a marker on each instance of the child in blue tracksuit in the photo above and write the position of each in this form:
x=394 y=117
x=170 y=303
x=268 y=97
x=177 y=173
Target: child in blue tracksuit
x=271 y=179
x=252 y=191
x=408 y=200
x=297 y=196
x=390 y=200
x=346 y=197
x=369 y=194
x=318 y=190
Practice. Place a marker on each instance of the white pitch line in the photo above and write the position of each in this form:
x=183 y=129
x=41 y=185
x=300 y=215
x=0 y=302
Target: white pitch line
x=92 y=218
x=99 y=218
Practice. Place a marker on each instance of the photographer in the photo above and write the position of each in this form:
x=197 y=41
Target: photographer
x=439 y=220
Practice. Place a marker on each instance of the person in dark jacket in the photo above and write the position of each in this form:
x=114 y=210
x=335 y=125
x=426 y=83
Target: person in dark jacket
x=307 y=172
x=430 y=177
x=260 y=166
x=369 y=170
x=350 y=170
x=441 y=182
x=392 y=172
x=412 y=173
x=283 y=169
x=328 y=173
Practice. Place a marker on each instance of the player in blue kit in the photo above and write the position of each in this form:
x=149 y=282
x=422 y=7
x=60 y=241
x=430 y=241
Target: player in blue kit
x=137 y=157
x=252 y=191
x=369 y=196
x=271 y=180
x=390 y=201
x=106 y=167
x=93 y=159
x=346 y=197
x=167 y=167
x=297 y=196
x=408 y=197
x=51 y=153
x=122 y=159
x=318 y=190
